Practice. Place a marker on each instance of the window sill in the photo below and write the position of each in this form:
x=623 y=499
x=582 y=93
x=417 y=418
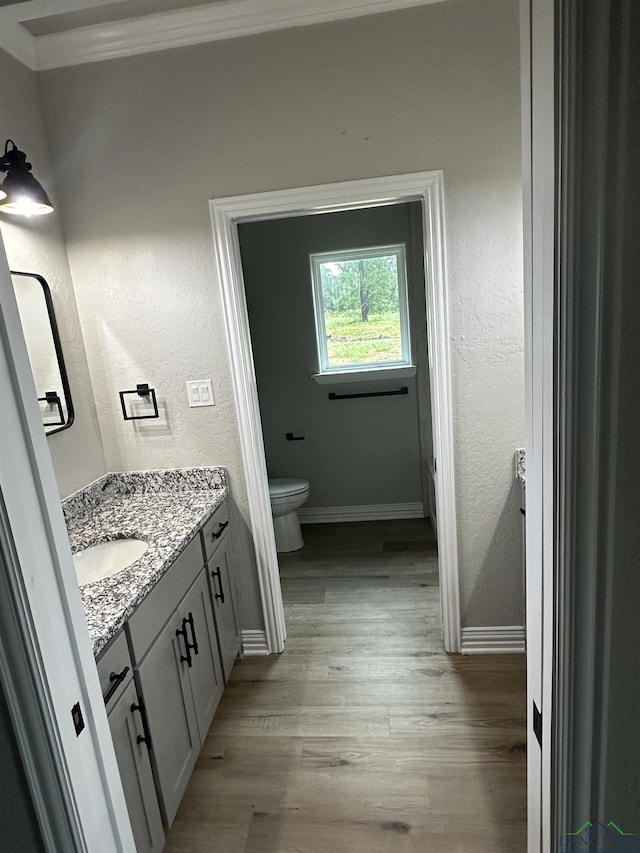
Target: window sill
x=376 y=374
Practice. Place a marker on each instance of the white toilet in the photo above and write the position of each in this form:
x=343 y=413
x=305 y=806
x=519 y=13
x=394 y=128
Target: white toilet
x=287 y=496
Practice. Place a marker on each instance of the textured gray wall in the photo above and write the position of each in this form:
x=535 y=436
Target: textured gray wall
x=37 y=245
x=140 y=144
x=355 y=452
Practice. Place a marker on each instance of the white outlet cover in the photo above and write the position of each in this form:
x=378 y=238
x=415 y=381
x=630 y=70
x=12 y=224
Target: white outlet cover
x=200 y=393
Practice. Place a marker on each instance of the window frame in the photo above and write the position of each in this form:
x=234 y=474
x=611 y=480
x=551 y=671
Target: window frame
x=316 y=259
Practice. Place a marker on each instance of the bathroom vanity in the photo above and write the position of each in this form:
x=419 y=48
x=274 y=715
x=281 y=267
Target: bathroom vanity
x=165 y=630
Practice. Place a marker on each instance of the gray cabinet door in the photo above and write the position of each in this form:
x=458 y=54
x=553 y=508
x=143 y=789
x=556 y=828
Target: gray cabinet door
x=164 y=683
x=205 y=674
x=135 y=771
x=225 y=605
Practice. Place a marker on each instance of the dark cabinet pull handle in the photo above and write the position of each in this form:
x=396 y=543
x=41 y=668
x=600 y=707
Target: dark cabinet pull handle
x=219 y=596
x=146 y=737
x=221 y=528
x=116 y=679
x=194 y=644
x=183 y=631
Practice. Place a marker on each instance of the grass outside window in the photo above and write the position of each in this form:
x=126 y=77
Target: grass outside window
x=360 y=300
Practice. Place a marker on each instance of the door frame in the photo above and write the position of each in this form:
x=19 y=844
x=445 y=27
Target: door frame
x=226 y=214
x=46 y=658
x=543 y=390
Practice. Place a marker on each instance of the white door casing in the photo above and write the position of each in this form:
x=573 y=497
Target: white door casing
x=73 y=780
x=226 y=214
x=538 y=134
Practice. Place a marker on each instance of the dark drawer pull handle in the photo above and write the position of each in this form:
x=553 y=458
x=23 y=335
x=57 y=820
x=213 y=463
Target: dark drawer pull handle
x=183 y=631
x=146 y=737
x=221 y=529
x=219 y=596
x=116 y=679
x=194 y=644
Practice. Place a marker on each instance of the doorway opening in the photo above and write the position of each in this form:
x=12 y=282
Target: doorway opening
x=336 y=306
x=227 y=214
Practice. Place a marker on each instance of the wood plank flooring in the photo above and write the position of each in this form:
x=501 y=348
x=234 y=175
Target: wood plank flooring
x=363 y=735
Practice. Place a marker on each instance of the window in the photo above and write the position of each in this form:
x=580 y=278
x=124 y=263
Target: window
x=360 y=300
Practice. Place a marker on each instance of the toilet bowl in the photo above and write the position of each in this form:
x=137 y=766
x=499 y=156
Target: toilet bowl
x=287 y=496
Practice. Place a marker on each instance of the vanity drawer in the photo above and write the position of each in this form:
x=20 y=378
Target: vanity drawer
x=147 y=621
x=214 y=530
x=114 y=660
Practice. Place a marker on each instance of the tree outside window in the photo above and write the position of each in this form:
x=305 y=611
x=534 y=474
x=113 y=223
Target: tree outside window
x=360 y=299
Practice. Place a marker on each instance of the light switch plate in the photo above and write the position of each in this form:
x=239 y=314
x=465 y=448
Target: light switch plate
x=200 y=393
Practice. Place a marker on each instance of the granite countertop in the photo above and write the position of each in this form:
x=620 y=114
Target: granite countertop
x=521 y=462
x=164 y=508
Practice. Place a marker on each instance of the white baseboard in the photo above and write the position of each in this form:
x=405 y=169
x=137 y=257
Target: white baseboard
x=371 y=512
x=254 y=643
x=504 y=639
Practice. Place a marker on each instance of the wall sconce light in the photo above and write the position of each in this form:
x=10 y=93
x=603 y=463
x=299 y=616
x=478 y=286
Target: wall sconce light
x=21 y=193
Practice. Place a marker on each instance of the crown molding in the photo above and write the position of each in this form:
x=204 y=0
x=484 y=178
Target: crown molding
x=185 y=27
x=17 y=42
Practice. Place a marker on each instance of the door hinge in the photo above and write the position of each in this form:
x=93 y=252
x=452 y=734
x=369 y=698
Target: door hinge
x=537 y=724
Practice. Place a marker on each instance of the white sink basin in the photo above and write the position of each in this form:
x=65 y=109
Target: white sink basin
x=107 y=559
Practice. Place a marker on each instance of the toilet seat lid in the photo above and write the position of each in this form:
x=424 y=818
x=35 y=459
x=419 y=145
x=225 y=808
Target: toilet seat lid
x=281 y=487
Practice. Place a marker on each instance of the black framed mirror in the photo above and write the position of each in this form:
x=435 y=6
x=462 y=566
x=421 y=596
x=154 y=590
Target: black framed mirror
x=41 y=334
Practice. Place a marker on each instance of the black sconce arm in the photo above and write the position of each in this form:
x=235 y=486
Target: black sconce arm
x=13 y=157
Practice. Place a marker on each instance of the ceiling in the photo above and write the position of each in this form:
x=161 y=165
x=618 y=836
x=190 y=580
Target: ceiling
x=107 y=13
x=53 y=33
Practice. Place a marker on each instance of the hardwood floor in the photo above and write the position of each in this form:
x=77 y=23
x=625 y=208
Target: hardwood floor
x=363 y=735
